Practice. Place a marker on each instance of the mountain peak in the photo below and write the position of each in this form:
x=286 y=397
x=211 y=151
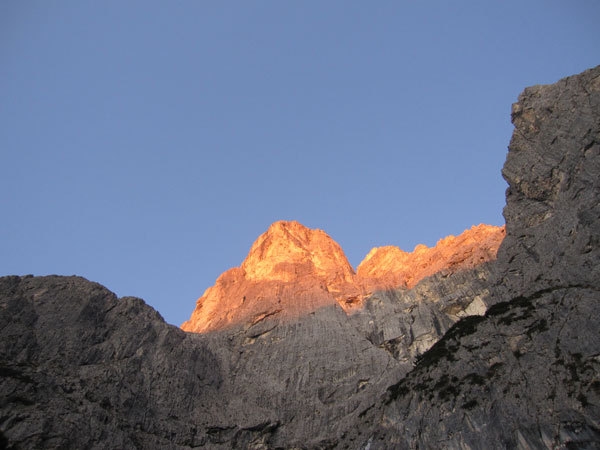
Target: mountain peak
x=389 y=266
x=288 y=250
x=292 y=270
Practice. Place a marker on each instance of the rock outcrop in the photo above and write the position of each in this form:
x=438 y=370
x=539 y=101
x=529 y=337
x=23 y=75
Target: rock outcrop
x=527 y=373
x=80 y=368
x=504 y=354
x=292 y=270
x=389 y=267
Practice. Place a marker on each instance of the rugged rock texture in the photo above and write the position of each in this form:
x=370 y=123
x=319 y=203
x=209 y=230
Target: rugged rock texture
x=502 y=355
x=292 y=270
x=552 y=203
x=408 y=322
x=389 y=267
x=82 y=369
x=527 y=374
x=311 y=378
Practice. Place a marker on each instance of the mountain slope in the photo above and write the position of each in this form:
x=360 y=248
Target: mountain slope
x=409 y=368
x=82 y=369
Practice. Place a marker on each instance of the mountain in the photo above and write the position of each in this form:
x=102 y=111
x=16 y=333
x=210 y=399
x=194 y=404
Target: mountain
x=527 y=373
x=389 y=267
x=292 y=270
x=498 y=355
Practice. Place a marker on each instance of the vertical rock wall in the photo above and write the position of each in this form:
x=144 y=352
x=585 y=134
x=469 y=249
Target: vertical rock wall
x=527 y=374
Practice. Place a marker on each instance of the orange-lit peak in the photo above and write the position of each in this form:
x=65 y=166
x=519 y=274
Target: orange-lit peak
x=381 y=260
x=389 y=266
x=288 y=250
x=292 y=270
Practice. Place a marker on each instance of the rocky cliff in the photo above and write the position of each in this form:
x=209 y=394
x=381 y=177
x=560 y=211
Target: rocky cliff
x=389 y=267
x=83 y=369
x=292 y=270
x=527 y=373
x=504 y=354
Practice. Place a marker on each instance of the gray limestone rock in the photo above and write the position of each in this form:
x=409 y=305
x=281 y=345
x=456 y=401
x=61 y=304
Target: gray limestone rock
x=408 y=322
x=527 y=373
x=553 y=203
x=422 y=368
x=83 y=369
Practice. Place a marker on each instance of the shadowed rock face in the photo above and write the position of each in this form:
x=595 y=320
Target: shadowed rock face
x=552 y=203
x=504 y=354
x=527 y=374
x=82 y=369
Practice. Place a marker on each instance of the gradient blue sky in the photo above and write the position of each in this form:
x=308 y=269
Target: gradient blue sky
x=145 y=145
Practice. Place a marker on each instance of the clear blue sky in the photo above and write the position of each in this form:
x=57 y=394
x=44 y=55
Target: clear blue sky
x=146 y=144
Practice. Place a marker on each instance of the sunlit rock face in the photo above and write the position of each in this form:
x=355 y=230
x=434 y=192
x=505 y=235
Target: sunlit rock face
x=288 y=251
x=289 y=270
x=390 y=267
x=293 y=270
